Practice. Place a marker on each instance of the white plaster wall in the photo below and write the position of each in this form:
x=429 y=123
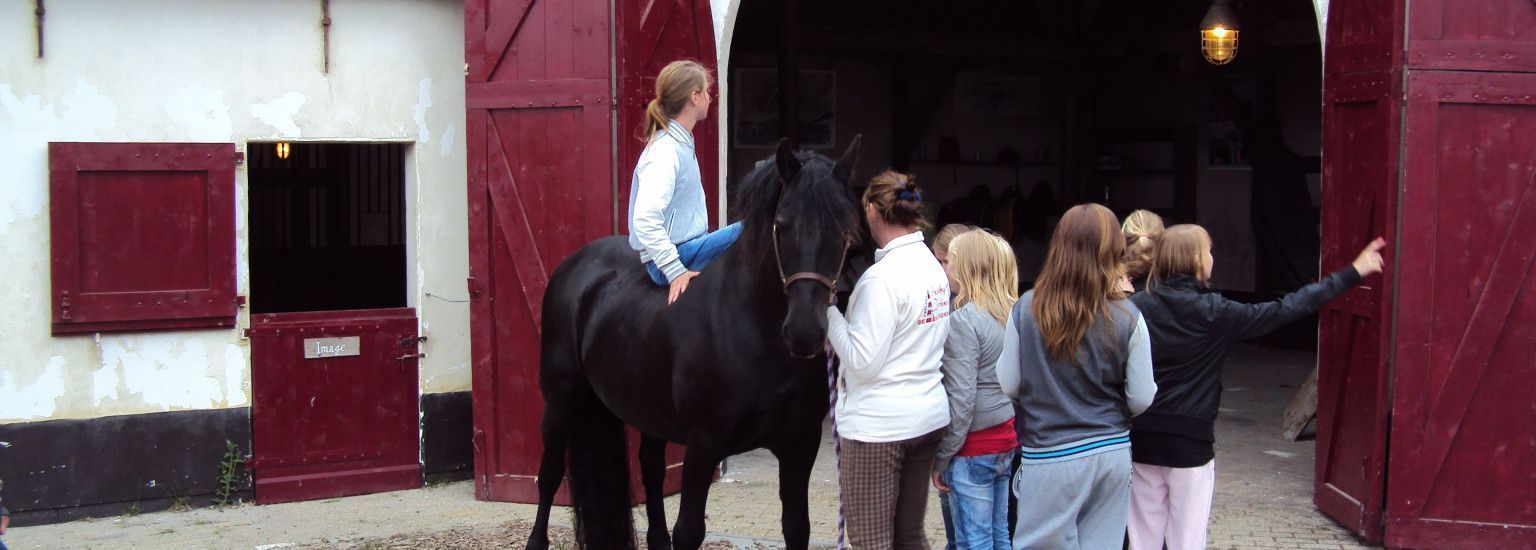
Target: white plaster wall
x=220 y=71
x=723 y=14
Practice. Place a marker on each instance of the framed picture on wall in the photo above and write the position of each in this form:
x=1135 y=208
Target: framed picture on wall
x=997 y=94
x=755 y=108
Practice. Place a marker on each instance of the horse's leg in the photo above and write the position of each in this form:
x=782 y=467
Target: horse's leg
x=653 y=471
x=795 y=463
x=555 y=429
x=699 y=463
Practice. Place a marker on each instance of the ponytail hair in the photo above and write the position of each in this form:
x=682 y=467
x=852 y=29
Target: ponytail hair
x=1142 y=231
x=674 y=86
x=897 y=198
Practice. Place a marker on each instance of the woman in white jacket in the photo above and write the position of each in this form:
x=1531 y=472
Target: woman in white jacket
x=891 y=407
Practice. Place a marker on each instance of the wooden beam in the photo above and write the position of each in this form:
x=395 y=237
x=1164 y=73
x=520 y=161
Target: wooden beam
x=885 y=42
x=1302 y=410
x=789 y=75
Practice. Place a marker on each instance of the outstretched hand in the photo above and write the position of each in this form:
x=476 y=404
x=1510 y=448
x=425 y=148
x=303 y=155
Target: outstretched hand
x=1369 y=262
x=679 y=285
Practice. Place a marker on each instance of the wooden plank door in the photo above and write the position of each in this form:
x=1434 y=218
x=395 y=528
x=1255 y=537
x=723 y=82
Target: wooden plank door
x=1463 y=460
x=544 y=130
x=335 y=408
x=540 y=140
x=1360 y=155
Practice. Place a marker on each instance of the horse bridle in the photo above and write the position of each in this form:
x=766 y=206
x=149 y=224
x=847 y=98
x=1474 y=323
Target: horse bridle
x=829 y=282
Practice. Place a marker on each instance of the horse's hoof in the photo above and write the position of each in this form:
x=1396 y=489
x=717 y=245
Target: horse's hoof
x=538 y=542
x=662 y=542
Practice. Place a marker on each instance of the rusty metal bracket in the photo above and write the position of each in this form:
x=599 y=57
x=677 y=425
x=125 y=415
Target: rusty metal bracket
x=325 y=34
x=37 y=13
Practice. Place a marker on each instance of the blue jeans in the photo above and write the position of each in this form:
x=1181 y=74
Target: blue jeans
x=697 y=253
x=978 y=501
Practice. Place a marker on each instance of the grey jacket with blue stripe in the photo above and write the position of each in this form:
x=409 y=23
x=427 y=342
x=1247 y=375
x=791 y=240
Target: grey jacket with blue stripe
x=1074 y=410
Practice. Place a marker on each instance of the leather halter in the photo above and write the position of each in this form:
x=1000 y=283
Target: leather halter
x=829 y=282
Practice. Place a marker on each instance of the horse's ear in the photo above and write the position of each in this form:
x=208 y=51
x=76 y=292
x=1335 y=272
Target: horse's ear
x=789 y=166
x=843 y=171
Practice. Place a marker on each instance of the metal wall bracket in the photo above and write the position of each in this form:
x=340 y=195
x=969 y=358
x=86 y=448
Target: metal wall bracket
x=37 y=14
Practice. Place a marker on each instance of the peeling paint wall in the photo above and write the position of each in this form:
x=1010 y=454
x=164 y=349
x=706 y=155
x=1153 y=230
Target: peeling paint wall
x=231 y=71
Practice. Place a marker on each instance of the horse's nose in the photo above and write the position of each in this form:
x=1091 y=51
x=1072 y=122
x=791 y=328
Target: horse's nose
x=803 y=335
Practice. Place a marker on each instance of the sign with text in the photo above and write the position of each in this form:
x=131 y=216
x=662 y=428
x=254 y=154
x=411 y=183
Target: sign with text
x=320 y=348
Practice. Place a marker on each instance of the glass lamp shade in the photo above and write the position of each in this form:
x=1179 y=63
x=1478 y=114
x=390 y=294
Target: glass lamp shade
x=1219 y=45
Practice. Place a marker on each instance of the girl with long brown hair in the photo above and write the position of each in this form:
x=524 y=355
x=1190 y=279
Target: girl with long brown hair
x=668 y=216
x=1192 y=328
x=1076 y=359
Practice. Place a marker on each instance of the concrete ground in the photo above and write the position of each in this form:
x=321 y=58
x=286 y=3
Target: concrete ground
x=1263 y=498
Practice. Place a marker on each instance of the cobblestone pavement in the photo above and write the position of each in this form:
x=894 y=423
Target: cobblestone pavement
x=1263 y=498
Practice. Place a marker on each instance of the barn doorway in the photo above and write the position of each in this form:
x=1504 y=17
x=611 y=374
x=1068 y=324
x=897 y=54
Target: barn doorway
x=327 y=226
x=333 y=343
x=1010 y=112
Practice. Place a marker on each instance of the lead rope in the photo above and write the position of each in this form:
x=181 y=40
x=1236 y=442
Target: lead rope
x=837 y=442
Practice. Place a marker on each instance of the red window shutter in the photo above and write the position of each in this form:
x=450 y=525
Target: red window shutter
x=143 y=236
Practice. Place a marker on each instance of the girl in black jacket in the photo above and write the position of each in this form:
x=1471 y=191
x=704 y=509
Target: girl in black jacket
x=1192 y=328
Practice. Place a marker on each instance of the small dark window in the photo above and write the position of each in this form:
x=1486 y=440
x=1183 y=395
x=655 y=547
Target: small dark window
x=143 y=236
x=327 y=226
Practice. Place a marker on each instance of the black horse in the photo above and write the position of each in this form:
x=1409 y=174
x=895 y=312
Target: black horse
x=735 y=364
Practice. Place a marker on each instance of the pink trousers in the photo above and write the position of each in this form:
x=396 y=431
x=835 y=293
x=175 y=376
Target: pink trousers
x=1170 y=505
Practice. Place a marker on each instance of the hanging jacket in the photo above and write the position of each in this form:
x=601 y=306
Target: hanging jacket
x=1192 y=328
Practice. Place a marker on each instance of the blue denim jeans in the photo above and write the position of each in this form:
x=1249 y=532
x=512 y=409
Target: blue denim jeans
x=697 y=253
x=978 y=501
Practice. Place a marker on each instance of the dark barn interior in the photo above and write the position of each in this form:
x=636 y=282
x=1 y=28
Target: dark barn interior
x=1009 y=112
x=327 y=227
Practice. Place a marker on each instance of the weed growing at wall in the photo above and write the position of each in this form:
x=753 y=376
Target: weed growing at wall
x=229 y=473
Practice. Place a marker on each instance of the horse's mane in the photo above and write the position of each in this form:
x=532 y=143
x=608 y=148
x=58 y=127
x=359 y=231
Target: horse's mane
x=818 y=203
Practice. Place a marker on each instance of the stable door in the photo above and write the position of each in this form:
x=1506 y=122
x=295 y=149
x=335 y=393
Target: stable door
x=335 y=400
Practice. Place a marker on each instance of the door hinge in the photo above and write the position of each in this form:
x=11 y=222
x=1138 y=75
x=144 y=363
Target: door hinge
x=474 y=289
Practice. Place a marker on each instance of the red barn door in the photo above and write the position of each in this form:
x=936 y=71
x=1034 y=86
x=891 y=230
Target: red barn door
x=1430 y=139
x=651 y=34
x=1463 y=459
x=544 y=130
x=1360 y=154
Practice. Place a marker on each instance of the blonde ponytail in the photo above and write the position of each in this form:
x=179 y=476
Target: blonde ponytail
x=655 y=120
x=674 y=86
x=1142 y=231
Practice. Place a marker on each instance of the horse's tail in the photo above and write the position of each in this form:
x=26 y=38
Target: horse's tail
x=599 y=463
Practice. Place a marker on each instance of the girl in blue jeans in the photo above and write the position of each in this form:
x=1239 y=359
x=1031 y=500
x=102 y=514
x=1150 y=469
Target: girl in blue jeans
x=668 y=214
x=973 y=464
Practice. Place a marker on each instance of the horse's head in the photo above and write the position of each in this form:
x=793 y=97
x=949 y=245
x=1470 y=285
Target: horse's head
x=799 y=220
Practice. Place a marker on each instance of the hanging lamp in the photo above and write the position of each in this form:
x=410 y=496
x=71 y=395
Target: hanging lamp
x=1218 y=34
